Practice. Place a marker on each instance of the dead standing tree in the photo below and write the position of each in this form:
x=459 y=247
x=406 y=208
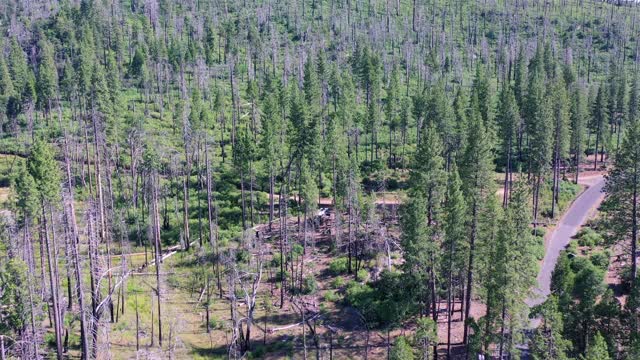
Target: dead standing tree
x=152 y=165
x=244 y=282
x=94 y=270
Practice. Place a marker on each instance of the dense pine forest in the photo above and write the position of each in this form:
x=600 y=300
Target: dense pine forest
x=348 y=179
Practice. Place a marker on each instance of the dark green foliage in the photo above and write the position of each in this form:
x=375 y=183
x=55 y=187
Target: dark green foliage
x=310 y=286
x=44 y=170
x=137 y=67
x=386 y=302
x=47 y=82
x=27 y=198
x=338 y=266
x=401 y=350
x=14 y=297
x=548 y=341
x=598 y=349
x=589 y=237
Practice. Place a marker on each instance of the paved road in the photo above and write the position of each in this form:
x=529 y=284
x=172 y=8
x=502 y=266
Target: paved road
x=569 y=224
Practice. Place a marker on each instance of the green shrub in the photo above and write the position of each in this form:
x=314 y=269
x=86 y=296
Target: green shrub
x=243 y=256
x=600 y=259
x=402 y=349
x=579 y=263
x=337 y=282
x=338 y=266
x=368 y=167
x=310 y=285
x=279 y=275
x=572 y=248
x=589 y=237
x=385 y=301
x=393 y=184
x=362 y=275
x=215 y=323
x=538 y=250
x=260 y=351
x=539 y=231
x=276 y=260
x=568 y=190
x=331 y=296
x=297 y=250
x=360 y=296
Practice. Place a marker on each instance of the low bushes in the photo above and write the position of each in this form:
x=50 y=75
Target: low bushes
x=338 y=266
x=589 y=237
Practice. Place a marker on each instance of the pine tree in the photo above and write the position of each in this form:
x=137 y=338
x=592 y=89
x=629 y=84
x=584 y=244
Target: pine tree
x=298 y=120
x=491 y=270
x=622 y=188
x=86 y=60
x=509 y=123
x=311 y=88
x=482 y=90
x=539 y=127
x=18 y=66
x=27 y=203
x=23 y=83
x=209 y=43
x=599 y=118
x=113 y=82
x=271 y=151
x=548 y=342
x=392 y=113
x=455 y=245
x=6 y=92
x=560 y=136
x=27 y=197
x=6 y=83
x=402 y=350
x=578 y=119
x=137 y=67
x=47 y=76
x=476 y=170
x=598 y=350
x=634 y=99
x=309 y=198
x=43 y=168
x=520 y=84
x=440 y=114
x=460 y=104
x=14 y=297
x=620 y=117
x=426 y=336
x=519 y=273
x=612 y=105
x=421 y=224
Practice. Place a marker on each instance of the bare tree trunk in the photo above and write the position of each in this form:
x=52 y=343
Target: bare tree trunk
x=271 y=196
x=243 y=201
x=472 y=245
x=101 y=207
x=93 y=273
x=75 y=239
x=53 y=283
x=185 y=197
x=156 y=238
x=137 y=325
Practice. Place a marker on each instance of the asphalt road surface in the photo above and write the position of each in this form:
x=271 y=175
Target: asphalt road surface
x=566 y=228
